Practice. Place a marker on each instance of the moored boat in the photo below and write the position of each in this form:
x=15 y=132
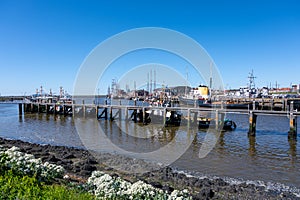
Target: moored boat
x=196 y=97
x=226 y=124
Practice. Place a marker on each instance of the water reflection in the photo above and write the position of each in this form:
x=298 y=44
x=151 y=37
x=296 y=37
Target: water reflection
x=293 y=150
x=252 y=148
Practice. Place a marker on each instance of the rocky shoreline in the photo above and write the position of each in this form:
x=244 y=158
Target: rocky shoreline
x=80 y=163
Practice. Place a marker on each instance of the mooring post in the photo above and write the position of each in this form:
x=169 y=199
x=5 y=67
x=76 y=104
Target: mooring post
x=188 y=117
x=97 y=111
x=253 y=105
x=135 y=115
x=293 y=126
x=195 y=117
x=20 y=109
x=105 y=113
x=83 y=110
x=221 y=120
x=47 y=108
x=111 y=114
x=126 y=113
x=164 y=116
x=217 y=120
x=252 y=124
x=73 y=110
x=144 y=115
x=293 y=122
x=120 y=113
x=285 y=104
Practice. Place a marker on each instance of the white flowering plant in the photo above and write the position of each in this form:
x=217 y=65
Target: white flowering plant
x=108 y=187
x=23 y=163
x=102 y=185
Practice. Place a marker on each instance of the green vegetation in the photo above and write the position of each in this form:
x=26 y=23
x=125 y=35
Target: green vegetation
x=24 y=177
x=15 y=186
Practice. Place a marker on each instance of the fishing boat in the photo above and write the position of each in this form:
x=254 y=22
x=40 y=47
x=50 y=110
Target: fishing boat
x=196 y=97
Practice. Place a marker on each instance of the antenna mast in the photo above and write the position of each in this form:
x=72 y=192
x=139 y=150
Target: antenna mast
x=251 y=80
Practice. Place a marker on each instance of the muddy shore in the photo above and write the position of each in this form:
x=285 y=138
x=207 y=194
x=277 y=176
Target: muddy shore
x=80 y=163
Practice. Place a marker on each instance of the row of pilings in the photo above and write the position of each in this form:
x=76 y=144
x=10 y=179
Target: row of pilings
x=141 y=113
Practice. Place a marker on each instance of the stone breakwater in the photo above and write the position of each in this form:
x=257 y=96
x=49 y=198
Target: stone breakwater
x=80 y=163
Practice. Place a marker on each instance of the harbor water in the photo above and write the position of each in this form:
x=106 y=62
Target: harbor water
x=269 y=157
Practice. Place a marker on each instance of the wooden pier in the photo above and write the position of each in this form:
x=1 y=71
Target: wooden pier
x=125 y=112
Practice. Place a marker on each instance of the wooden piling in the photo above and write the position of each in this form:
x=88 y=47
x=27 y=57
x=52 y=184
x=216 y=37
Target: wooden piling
x=144 y=115
x=188 y=117
x=195 y=118
x=135 y=115
x=164 y=116
x=217 y=120
x=47 y=108
x=120 y=113
x=293 y=122
x=221 y=120
x=293 y=126
x=126 y=113
x=20 y=109
x=97 y=112
x=252 y=124
x=73 y=110
x=110 y=114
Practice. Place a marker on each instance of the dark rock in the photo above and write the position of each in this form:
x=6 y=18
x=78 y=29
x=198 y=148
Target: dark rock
x=53 y=159
x=69 y=156
x=156 y=184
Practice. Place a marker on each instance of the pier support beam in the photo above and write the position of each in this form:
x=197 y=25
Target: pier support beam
x=164 y=116
x=126 y=113
x=144 y=115
x=252 y=124
x=293 y=127
x=20 y=109
x=134 y=115
x=253 y=105
x=293 y=123
x=111 y=118
x=188 y=117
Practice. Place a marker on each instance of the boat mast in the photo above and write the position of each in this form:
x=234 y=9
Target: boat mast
x=210 y=79
x=251 y=83
x=186 y=70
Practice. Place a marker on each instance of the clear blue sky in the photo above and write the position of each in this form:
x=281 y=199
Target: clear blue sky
x=44 y=42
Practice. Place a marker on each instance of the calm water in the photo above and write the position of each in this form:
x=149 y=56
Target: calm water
x=269 y=157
